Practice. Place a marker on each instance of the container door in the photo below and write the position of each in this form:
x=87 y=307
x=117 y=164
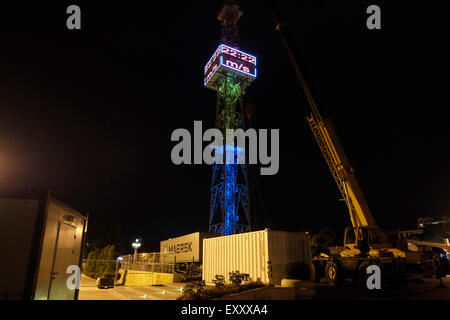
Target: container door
x=64 y=257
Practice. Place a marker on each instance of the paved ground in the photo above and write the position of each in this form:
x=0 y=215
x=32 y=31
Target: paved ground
x=89 y=291
x=416 y=288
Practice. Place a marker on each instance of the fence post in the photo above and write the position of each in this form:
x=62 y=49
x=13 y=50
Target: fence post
x=153 y=270
x=115 y=272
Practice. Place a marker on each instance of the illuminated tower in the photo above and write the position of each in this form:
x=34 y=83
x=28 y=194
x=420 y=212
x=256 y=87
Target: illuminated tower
x=229 y=72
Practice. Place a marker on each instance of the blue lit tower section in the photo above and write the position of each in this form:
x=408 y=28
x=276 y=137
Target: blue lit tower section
x=229 y=72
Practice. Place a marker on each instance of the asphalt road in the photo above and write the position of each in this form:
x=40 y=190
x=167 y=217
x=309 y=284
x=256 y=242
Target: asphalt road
x=89 y=291
x=417 y=288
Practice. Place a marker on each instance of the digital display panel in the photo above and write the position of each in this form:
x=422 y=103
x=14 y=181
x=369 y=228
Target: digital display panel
x=212 y=65
x=239 y=60
x=230 y=59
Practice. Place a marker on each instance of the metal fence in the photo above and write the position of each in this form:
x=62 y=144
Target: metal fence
x=150 y=262
x=94 y=270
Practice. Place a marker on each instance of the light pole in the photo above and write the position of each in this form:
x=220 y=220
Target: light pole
x=136 y=245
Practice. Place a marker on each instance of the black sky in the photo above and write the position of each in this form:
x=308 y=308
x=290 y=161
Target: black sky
x=88 y=114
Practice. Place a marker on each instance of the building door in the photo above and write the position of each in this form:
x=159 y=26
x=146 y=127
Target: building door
x=64 y=257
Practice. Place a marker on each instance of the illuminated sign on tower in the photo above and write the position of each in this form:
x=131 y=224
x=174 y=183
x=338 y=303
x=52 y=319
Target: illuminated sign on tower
x=230 y=60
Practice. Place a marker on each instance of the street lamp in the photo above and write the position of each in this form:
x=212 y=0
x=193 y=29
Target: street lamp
x=136 y=245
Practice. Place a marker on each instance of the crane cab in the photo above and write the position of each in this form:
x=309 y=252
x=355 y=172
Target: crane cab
x=369 y=241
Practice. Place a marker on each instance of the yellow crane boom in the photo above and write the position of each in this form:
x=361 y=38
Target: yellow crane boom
x=330 y=146
x=342 y=172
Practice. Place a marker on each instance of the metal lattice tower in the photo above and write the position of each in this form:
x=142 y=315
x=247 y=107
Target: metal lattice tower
x=229 y=74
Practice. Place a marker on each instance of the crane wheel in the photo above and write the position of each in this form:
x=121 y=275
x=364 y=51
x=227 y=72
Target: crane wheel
x=315 y=272
x=333 y=273
x=362 y=273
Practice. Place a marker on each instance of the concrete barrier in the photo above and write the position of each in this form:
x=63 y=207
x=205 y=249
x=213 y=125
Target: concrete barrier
x=266 y=293
x=298 y=284
x=143 y=278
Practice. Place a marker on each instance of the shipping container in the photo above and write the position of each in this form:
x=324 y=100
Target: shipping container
x=188 y=248
x=40 y=237
x=261 y=254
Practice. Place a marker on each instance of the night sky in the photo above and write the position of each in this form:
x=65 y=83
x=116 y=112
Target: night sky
x=88 y=114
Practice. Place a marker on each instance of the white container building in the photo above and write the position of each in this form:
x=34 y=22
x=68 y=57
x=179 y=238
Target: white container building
x=184 y=249
x=40 y=237
x=261 y=254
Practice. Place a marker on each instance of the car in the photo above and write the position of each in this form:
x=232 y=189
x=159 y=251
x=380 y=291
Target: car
x=105 y=283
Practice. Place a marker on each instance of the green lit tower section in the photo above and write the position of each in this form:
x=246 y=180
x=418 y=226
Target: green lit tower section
x=229 y=72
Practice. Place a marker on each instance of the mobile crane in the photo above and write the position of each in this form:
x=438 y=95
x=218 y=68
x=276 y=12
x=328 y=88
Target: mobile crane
x=364 y=243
